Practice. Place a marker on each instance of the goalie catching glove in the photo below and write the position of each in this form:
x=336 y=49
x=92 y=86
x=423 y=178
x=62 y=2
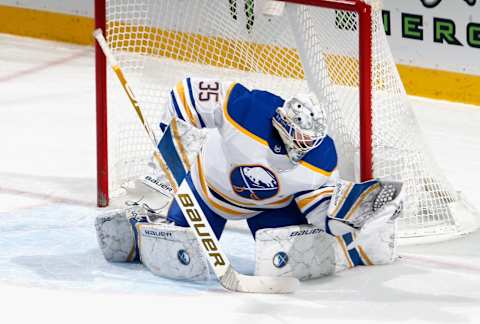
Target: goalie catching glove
x=353 y=206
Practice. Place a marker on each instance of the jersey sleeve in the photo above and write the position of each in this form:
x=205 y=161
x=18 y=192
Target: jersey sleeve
x=199 y=101
x=314 y=203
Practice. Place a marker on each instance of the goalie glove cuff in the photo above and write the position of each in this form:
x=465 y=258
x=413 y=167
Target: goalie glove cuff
x=338 y=227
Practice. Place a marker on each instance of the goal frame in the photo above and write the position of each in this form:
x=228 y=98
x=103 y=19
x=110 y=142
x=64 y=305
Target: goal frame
x=103 y=196
x=364 y=12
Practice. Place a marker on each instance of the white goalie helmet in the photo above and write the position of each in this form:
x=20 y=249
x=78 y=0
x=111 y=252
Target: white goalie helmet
x=302 y=125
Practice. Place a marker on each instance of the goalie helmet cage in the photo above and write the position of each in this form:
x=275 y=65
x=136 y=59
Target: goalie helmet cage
x=336 y=49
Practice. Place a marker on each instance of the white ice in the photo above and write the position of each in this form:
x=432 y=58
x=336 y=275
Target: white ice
x=52 y=270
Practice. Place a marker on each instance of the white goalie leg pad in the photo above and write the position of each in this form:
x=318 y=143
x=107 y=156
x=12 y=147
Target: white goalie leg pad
x=379 y=241
x=115 y=236
x=378 y=234
x=300 y=251
x=172 y=251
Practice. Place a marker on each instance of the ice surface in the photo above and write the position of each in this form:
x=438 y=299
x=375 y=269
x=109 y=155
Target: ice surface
x=52 y=270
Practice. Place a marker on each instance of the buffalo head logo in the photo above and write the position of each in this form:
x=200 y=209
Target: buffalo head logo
x=254 y=182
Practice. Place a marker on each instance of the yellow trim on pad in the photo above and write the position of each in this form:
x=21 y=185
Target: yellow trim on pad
x=345 y=252
x=158 y=157
x=364 y=255
x=360 y=200
x=179 y=143
x=342 y=199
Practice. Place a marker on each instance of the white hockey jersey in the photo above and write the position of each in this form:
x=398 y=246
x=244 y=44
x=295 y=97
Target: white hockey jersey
x=243 y=168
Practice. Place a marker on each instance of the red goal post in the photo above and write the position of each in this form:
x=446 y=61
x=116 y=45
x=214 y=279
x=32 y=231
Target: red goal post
x=103 y=197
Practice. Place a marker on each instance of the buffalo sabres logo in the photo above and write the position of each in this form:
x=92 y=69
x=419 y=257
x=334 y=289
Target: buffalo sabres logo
x=254 y=182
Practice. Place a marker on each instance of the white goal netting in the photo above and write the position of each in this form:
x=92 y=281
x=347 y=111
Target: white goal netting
x=159 y=42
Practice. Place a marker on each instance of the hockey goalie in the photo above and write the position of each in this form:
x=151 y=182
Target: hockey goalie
x=269 y=161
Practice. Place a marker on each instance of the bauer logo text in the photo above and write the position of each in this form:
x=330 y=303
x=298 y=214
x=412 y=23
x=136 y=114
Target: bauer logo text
x=207 y=240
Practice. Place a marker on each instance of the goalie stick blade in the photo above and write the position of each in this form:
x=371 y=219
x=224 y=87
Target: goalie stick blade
x=235 y=281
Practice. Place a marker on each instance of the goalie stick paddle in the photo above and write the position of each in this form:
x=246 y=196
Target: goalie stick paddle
x=228 y=277
x=176 y=174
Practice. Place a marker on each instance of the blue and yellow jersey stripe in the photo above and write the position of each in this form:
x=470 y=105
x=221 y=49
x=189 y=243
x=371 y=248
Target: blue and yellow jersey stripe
x=308 y=201
x=193 y=103
x=312 y=167
x=175 y=105
x=184 y=103
x=229 y=200
x=233 y=120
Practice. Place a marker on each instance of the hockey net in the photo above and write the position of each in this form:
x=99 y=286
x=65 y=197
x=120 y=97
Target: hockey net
x=297 y=49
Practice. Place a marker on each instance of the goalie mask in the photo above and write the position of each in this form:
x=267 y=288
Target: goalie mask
x=302 y=125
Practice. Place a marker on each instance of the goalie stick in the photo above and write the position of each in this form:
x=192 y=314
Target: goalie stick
x=226 y=274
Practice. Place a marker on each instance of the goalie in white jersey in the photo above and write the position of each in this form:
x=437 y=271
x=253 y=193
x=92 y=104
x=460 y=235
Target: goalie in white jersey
x=260 y=166
x=272 y=163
